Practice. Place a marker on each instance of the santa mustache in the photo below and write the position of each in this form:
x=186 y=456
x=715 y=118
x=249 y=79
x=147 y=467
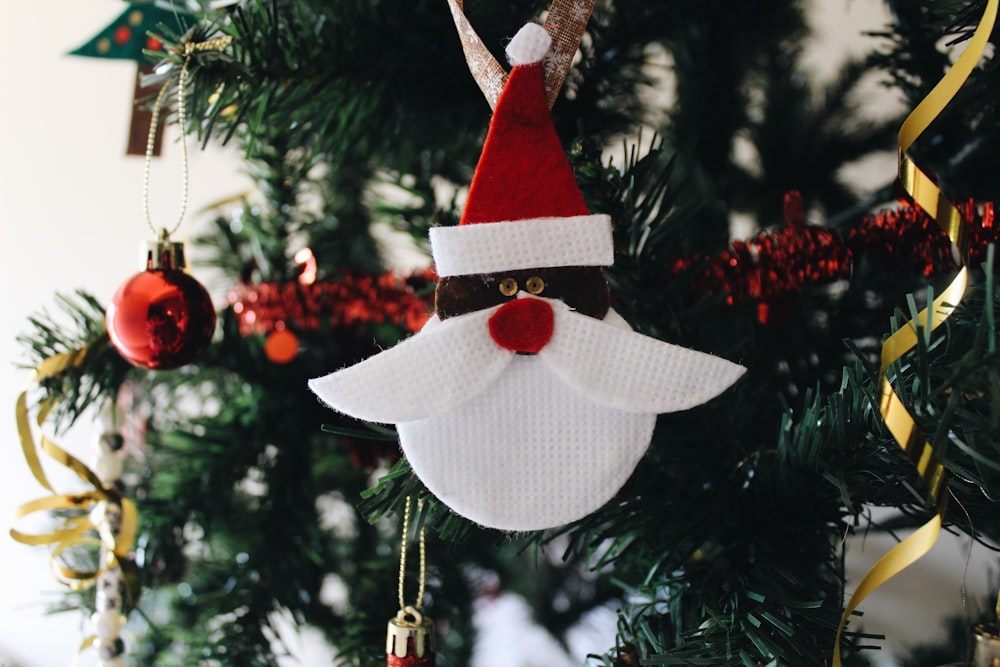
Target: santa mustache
x=450 y=361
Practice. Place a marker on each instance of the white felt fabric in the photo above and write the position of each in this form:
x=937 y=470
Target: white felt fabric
x=629 y=371
x=526 y=442
x=489 y=247
x=409 y=381
x=529 y=45
x=529 y=453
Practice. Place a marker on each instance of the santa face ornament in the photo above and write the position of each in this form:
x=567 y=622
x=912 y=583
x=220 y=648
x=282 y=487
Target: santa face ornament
x=526 y=401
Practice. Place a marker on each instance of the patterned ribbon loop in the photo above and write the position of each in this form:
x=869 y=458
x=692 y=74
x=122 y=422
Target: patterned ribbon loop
x=565 y=23
x=98 y=518
x=926 y=194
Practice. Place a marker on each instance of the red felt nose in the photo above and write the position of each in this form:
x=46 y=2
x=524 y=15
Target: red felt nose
x=522 y=325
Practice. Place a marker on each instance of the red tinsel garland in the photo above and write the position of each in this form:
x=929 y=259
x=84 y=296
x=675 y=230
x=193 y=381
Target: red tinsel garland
x=764 y=270
x=907 y=239
x=353 y=298
x=778 y=263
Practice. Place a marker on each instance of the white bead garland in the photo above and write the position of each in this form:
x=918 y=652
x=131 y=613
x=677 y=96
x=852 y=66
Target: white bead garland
x=107 y=624
x=108 y=466
x=108 y=621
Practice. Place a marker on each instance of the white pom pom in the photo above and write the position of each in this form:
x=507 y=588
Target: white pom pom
x=529 y=45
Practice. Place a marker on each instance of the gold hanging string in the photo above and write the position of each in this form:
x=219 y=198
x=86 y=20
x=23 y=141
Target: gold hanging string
x=403 y=548
x=190 y=48
x=565 y=23
x=904 y=430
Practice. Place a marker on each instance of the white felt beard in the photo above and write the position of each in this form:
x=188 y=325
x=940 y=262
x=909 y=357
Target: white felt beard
x=526 y=442
x=529 y=452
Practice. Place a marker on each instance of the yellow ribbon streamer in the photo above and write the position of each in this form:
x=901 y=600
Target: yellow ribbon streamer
x=565 y=23
x=88 y=526
x=897 y=418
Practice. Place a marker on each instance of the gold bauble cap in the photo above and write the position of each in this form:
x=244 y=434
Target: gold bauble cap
x=162 y=254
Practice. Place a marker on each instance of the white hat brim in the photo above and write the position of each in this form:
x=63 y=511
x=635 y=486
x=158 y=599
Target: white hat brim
x=491 y=247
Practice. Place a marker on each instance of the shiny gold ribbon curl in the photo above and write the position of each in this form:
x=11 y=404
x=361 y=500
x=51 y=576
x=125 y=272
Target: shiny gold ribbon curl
x=88 y=525
x=565 y=23
x=904 y=430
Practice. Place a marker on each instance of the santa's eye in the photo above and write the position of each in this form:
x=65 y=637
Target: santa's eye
x=508 y=287
x=534 y=284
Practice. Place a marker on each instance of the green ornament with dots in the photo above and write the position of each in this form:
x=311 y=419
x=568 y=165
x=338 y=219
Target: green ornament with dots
x=127 y=37
x=130 y=37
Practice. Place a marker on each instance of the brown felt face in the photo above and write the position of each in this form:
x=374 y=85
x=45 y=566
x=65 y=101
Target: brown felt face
x=582 y=288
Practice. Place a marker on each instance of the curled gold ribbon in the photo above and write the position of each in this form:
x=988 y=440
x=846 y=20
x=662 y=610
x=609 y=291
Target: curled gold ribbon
x=897 y=418
x=87 y=525
x=565 y=23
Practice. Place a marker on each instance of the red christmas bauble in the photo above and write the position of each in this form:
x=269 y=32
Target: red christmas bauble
x=411 y=660
x=161 y=318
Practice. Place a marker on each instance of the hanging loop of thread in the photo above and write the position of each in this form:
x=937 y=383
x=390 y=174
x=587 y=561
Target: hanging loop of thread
x=566 y=23
x=190 y=48
x=422 y=572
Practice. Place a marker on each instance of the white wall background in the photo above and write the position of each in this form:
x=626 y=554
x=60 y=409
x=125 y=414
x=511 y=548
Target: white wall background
x=71 y=217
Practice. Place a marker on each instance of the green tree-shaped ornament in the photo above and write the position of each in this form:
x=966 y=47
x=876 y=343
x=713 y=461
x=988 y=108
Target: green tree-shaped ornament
x=128 y=37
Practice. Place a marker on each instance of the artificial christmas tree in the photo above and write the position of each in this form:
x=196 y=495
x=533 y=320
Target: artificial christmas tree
x=722 y=547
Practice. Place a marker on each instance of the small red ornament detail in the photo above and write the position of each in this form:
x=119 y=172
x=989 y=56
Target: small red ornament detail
x=153 y=44
x=123 y=34
x=281 y=346
x=161 y=319
x=522 y=325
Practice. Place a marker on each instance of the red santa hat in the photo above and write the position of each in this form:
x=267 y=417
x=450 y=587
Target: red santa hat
x=524 y=209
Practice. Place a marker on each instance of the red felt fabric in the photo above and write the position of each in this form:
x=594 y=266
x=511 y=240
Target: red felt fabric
x=523 y=172
x=522 y=325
